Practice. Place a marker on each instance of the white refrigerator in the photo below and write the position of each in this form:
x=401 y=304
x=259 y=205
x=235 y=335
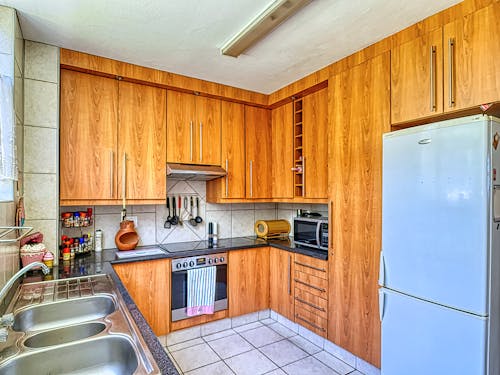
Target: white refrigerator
x=440 y=260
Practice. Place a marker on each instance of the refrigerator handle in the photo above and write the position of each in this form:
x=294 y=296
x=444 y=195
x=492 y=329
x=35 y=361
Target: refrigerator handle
x=381 y=304
x=381 y=271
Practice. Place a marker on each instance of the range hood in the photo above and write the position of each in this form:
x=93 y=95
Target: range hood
x=194 y=172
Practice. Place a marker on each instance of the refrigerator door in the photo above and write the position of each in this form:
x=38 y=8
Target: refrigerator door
x=420 y=337
x=435 y=213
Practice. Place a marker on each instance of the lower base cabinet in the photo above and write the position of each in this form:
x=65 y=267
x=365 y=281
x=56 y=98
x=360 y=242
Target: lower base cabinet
x=248 y=281
x=148 y=283
x=281 y=285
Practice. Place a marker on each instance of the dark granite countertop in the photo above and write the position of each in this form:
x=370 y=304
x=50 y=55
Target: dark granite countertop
x=101 y=262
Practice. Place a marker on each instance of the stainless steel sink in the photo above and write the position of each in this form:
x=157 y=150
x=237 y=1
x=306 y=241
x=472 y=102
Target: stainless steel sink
x=103 y=355
x=64 y=335
x=64 y=313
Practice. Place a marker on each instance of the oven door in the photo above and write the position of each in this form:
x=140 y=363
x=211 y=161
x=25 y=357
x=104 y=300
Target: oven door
x=179 y=292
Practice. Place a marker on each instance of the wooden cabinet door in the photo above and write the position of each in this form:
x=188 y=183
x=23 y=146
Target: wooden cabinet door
x=248 y=281
x=258 y=152
x=417 y=78
x=360 y=114
x=315 y=144
x=148 y=283
x=233 y=150
x=181 y=127
x=472 y=76
x=281 y=288
x=142 y=141
x=88 y=136
x=282 y=151
x=208 y=131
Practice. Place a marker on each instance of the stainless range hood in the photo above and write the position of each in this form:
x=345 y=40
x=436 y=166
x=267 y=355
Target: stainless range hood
x=194 y=172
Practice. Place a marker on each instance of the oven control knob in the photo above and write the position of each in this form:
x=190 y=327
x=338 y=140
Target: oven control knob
x=221 y=259
x=185 y=264
x=216 y=260
x=191 y=264
x=178 y=265
x=210 y=261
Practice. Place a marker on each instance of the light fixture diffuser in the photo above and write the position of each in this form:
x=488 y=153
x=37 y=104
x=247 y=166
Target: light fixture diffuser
x=276 y=13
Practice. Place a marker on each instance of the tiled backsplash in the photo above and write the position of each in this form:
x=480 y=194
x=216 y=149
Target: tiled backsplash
x=234 y=220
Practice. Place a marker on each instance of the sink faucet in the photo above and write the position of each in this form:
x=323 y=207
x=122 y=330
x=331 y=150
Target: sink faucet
x=18 y=274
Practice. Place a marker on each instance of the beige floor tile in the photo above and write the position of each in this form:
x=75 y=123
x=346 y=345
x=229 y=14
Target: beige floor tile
x=305 y=345
x=283 y=352
x=247 y=327
x=334 y=363
x=194 y=357
x=230 y=346
x=308 y=366
x=250 y=363
x=185 y=344
x=282 y=330
x=218 y=335
x=276 y=372
x=261 y=336
x=217 y=368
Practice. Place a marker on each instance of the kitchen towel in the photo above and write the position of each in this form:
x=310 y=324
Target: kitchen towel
x=201 y=291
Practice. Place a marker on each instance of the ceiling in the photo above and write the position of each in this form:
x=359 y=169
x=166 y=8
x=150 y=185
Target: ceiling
x=185 y=36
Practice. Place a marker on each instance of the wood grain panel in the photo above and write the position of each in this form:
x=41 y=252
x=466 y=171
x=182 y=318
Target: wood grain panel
x=311 y=302
x=248 y=281
x=282 y=151
x=258 y=152
x=281 y=286
x=476 y=65
x=88 y=116
x=181 y=112
x=142 y=138
x=411 y=74
x=148 y=283
x=197 y=320
x=208 y=130
x=311 y=266
x=360 y=114
x=311 y=284
x=315 y=127
x=311 y=321
x=97 y=64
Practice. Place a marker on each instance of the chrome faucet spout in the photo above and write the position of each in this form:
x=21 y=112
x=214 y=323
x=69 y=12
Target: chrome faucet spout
x=18 y=274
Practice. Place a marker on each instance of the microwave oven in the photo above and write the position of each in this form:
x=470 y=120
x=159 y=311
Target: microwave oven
x=311 y=232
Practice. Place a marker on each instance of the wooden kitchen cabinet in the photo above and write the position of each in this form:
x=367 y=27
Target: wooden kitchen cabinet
x=471 y=77
x=281 y=285
x=360 y=98
x=258 y=133
x=102 y=121
x=233 y=155
x=142 y=141
x=88 y=131
x=193 y=129
x=282 y=151
x=248 y=281
x=148 y=283
x=315 y=144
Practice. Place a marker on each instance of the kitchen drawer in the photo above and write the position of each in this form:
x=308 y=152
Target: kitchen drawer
x=311 y=302
x=311 y=266
x=311 y=321
x=311 y=284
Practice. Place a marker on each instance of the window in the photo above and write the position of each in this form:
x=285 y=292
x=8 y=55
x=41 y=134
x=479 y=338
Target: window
x=8 y=162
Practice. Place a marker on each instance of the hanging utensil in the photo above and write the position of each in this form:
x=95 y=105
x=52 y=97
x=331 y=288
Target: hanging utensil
x=175 y=218
x=192 y=221
x=168 y=223
x=180 y=211
x=198 y=217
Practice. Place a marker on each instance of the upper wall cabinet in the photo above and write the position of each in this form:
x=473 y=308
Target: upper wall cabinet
x=449 y=69
x=111 y=129
x=282 y=151
x=193 y=129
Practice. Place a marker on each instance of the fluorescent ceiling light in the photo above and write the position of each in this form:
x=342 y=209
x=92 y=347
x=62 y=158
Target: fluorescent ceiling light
x=277 y=12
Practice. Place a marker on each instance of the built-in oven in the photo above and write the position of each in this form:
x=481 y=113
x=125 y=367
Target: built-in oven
x=311 y=232
x=180 y=267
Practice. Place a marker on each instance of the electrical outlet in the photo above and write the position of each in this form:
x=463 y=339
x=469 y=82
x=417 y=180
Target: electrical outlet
x=134 y=219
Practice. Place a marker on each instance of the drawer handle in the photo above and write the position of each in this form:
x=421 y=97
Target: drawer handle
x=308 y=322
x=310 y=304
x=309 y=266
x=309 y=285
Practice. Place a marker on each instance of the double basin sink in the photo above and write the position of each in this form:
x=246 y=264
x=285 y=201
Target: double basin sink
x=76 y=326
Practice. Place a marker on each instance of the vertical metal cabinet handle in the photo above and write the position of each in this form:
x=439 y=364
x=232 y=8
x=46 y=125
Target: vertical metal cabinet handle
x=303 y=176
x=451 y=72
x=381 y=304
x=111 y=172
x=251 y=178
x=381 y=270
x=201 y=141
x=433 y=78
x=191 y=140
x=124 y=176
x=289 y=275
x=227 y=178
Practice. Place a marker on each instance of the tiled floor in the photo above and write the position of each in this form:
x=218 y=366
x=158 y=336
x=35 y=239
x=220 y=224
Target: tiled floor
x=261 y=347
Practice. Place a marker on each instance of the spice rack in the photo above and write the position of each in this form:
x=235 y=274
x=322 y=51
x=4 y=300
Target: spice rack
x=73 y=239
x=298 y=157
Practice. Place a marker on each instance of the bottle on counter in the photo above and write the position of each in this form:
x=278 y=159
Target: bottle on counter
x=98 y=240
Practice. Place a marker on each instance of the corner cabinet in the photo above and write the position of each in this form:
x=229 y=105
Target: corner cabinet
x=193 y=129
x=110 y=129
x=148 y=283
x=281 y=285
x=248 y=280
x=360 y=98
